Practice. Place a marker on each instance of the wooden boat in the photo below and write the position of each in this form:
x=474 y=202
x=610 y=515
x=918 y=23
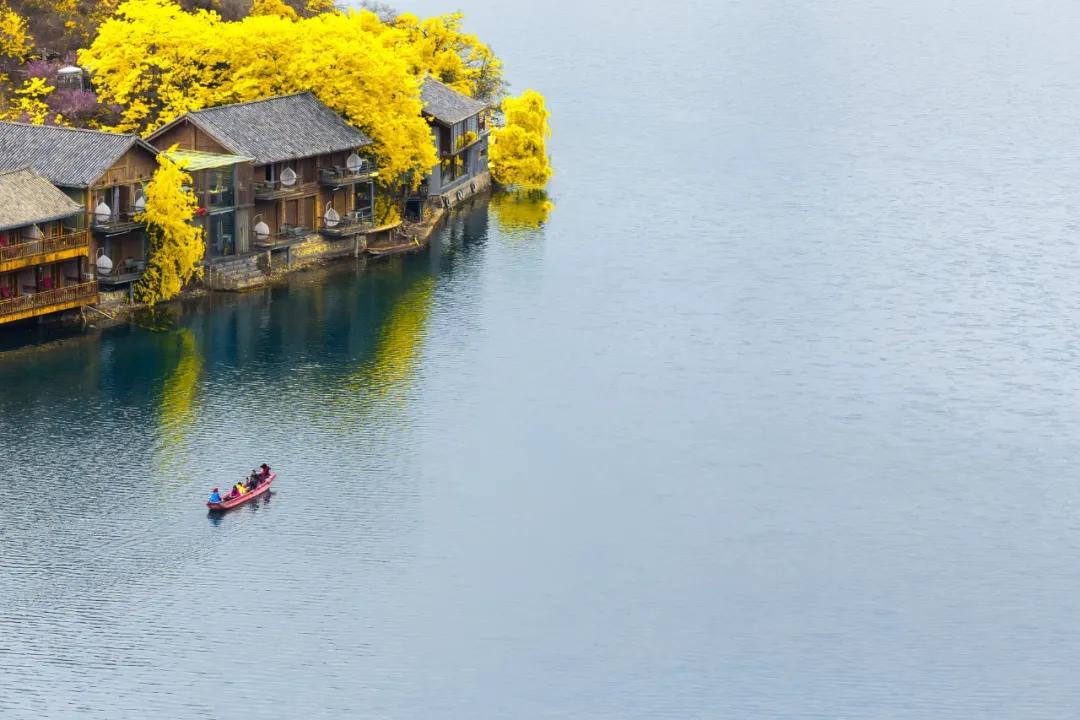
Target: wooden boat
x=382 y=250
x=230 y=503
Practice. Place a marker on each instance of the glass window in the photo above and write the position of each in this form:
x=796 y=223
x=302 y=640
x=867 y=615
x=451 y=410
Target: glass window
x=219 y=190
x=222 y=234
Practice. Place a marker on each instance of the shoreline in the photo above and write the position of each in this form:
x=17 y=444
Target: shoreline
x=266 y=268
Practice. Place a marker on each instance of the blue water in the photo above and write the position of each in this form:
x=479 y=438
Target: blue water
x=776 y=416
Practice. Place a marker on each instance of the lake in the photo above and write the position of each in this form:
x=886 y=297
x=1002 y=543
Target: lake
x=776 y=415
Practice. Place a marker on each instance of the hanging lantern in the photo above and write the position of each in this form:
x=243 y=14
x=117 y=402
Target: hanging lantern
x=102 y=212
x=33 y=232
x=140 y=203
x=288 y=177
x=331 y=217
x=261 y=229
x=104 y=264
x=354 y=163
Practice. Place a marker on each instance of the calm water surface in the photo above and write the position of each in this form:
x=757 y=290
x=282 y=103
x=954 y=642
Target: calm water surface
x=777 y=416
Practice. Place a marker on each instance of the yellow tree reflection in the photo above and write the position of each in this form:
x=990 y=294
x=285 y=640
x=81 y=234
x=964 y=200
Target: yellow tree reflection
x=176 y=413
x=515 y=211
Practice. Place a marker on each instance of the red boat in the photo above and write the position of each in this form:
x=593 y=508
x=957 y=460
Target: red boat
x=230 y=503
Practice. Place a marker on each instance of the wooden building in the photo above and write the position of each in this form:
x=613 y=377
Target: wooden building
x=106 y=174
x=44 y=248
x=460 y=128
x=308 y=175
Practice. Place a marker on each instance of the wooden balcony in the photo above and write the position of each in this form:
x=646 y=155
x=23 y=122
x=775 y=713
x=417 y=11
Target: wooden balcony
x=354 y=223
x=340 y=176
x=274 y=190
x=288 y=235
x=115 y=224
x=48 y=301
x=47 y=250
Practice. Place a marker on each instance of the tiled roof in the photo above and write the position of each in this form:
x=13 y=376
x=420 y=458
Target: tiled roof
x=27 y=198
x=279 y=128
x=446 y=104
x=68 y=157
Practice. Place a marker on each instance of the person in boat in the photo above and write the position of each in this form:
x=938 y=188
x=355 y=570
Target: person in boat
x=252 y=481
x=215 y=496
x=264 y=472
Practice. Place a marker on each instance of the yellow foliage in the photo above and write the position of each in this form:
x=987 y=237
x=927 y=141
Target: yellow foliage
x=317 y=7
x=518 y=152
x=521 y=210
x=386 y=211
x=15 y=40
x=156 y=62
x=176 y=246
x=29 y=104
x=437 y=46
x=273 y=7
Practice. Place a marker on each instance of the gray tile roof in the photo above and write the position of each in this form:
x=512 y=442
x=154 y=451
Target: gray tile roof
x=27 y=198
x=68 y=157
x=447 y=104
x=279 y=128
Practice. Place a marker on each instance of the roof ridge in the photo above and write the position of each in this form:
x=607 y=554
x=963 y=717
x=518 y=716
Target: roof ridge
x=253 y=102
x=69 y=129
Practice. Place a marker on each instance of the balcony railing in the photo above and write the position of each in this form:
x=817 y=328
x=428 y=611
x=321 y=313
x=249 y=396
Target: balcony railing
x=273 y=189
x=337 y=176
x=30 y=249
x=351 y=223
x=287 y=235
x=39 y=303
x=118 y=222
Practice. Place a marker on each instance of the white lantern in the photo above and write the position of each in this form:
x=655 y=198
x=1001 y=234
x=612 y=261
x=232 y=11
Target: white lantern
x=288 y=177
x=331 y=217
x=102 y=212
x=262 y=230
x=354 y=163
x=140 y=203
x=104 y=264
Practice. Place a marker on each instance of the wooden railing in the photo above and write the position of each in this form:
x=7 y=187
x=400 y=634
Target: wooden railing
x=344 y=176
x=30 y=248
x=116 y=222
x=271 y=189
x=47 y=298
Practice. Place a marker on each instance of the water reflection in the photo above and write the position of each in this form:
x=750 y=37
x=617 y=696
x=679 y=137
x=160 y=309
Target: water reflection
x=518 y=211
x=176 y=411
x=400 y=337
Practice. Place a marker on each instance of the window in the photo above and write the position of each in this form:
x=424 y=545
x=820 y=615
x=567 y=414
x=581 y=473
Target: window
x=222 y=234
x=219 y=191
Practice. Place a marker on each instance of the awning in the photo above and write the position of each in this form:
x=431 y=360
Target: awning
x=195 y=160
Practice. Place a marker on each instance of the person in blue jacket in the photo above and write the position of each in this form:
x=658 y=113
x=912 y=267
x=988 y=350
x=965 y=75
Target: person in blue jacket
x=215 y=496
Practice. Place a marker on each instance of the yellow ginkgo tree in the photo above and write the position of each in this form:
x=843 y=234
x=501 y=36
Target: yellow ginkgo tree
x=176 y=245
x=518 y=153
